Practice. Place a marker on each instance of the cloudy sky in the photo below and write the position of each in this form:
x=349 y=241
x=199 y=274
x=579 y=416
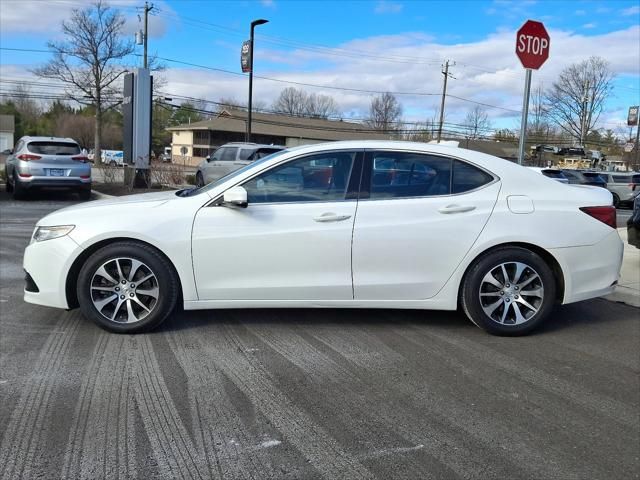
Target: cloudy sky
x=349 y=49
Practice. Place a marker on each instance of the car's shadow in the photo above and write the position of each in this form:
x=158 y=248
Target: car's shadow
x=563 y=317
x=43 y=195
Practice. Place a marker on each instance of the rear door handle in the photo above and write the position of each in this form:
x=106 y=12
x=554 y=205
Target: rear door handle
x=457 y=208
x=331 y=217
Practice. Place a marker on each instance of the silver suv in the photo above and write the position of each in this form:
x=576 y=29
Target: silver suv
x=47 y=162
x=622 y=186
x=230 y=157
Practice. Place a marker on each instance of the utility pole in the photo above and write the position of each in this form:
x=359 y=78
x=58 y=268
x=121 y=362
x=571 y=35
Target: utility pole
x=147 y=9
x=446 y=74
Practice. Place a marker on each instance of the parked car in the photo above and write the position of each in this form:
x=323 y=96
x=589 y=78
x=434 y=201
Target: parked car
x=47 y=162
x=554 y=173
x=115 y=158
x=436 y=227
x=633 y=223
x=583 y=177
x=572 y=152
x=622 y=186
x=230 y=157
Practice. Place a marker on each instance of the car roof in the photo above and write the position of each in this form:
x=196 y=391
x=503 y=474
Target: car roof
x=28 y=138
x=251 y=145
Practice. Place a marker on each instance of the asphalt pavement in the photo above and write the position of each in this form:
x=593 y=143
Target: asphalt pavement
x=305 y=394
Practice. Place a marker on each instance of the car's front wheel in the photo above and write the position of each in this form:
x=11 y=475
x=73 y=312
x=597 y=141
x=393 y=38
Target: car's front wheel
x=199 y=180
x=509 y=291
x=127 y=287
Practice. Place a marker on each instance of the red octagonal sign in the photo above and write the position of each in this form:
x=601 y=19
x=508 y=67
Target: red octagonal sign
x=532 y=44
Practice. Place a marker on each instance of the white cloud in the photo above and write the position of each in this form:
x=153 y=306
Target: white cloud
x=635 y=10
x=487 y=71
x=27 y=16
x=384 y=6
x=580 y=13
x=268 y=3
x=589 y=25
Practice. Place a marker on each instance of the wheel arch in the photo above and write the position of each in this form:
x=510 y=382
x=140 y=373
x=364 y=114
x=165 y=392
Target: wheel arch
x=71 y=281
x=549 y=259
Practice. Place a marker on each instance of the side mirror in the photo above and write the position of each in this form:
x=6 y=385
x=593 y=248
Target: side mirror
x=235 y=197
x=208 y=159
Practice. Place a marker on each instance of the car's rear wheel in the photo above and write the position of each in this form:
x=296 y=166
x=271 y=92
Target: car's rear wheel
x=84 y=193
x=199 y=180
x=19 y=192
x=616 y=200
x=127 y=287
x=510 y=291
x=8 y=184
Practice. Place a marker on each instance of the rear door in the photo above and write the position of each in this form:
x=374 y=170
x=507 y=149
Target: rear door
x=418 y=215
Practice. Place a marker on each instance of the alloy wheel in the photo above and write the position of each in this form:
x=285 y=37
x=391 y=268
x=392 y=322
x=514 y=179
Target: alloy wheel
x=511 y=293
x=124 y=290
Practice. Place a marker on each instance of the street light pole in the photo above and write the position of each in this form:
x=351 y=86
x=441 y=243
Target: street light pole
x=260 y=21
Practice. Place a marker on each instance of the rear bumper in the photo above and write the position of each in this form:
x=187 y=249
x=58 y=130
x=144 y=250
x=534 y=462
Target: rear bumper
x=590 y=271
x=54 y=182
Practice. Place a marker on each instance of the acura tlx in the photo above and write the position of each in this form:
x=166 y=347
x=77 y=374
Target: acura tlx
x=358 y=224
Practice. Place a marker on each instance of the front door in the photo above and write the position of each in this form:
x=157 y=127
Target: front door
x=293 y=241
x=418 y=215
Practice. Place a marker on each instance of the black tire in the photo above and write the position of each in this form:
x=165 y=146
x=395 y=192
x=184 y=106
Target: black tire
x=165 y=283
x=84 y=194
x=19 y=192
x=199 y=180
x=616 y=200
x=537 y=278
x=8 y=185
x=112 y=163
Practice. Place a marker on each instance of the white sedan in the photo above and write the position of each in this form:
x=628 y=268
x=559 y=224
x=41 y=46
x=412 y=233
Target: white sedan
x=362 y=224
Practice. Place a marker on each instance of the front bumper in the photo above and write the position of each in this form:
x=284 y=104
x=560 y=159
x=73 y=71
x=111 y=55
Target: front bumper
x=47 y=263
x=590 y=271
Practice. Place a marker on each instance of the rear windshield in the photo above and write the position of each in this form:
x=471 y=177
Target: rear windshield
x=635 y=179
x=553 y=174
x=54 y=148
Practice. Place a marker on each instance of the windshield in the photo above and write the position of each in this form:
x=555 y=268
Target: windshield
x=229 y=176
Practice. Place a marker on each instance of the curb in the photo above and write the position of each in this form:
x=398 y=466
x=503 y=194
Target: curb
x=100 y=195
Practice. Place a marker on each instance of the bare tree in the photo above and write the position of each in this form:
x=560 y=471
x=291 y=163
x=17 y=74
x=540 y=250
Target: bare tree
x=79 y=127
x=576 y=100
x=291 y=101
x=87 y=60
x=321 y=106
x=385 y=112
x=476 y=123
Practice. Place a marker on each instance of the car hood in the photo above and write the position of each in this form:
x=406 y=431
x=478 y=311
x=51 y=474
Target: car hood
x=100 y=208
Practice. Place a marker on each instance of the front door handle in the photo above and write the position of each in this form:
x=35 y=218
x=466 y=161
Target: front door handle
x=457 y=208
x=331 y=217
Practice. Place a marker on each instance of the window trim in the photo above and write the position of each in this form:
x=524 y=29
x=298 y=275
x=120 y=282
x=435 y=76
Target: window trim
x=368 y=169
x=353 y=183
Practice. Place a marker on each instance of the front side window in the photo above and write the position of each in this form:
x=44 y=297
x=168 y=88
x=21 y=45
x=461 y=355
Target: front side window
x=316 y=178
x=228 y=154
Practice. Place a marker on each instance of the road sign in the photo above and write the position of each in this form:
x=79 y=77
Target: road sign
x=632 y=119
x=532 y=44
x=184 y=151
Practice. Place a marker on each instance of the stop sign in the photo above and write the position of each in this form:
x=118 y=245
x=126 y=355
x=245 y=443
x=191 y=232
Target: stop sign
x=532 y=44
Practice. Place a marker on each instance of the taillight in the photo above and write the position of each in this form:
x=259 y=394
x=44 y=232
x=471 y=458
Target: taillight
x=27 y=157
x=632 y=186
x=85 y=176
x=606 y=215
x=80 y=158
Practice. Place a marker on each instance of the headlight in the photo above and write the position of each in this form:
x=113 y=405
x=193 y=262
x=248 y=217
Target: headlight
x=41 y=234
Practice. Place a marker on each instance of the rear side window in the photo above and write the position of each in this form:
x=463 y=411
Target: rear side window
x=402 y=175
x=263 y=152
x=466 y=177
x=54 y=148
x=593 y=176
x=635 y=179
x=245 y=153
x=621 y=178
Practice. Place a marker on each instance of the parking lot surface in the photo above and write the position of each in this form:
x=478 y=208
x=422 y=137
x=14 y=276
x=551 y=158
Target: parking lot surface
x=311 y=393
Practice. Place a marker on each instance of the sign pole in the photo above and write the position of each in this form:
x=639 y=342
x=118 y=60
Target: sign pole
x=525 y=114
